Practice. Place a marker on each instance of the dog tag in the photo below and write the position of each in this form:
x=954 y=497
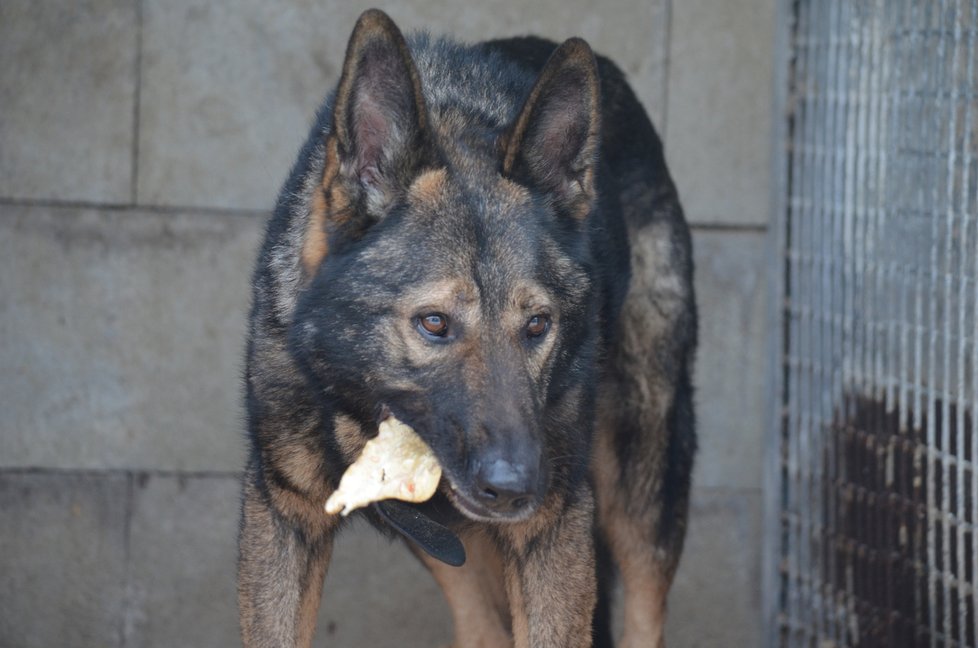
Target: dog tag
x=436 y=540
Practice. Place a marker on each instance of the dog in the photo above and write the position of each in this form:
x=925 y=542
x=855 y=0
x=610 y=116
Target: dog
x=483 y=241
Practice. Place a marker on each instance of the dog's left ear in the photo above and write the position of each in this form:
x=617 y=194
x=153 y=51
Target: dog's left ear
x=554 y=142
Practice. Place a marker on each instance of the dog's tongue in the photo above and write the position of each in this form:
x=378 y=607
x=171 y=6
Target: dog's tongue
x=436 y=540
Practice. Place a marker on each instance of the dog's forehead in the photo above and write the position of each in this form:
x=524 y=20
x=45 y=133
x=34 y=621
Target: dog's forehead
x=481 y=230
x=468 y=190
x=477 y=209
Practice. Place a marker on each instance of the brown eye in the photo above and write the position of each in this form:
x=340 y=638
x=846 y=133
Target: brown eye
x=537 y=326
x=434 y=324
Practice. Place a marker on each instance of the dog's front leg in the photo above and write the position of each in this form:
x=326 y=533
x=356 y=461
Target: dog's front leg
x=550 y=574
x=281 y=566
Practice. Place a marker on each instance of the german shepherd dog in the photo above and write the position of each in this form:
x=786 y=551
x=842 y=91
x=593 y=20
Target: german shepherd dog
x=483 y=241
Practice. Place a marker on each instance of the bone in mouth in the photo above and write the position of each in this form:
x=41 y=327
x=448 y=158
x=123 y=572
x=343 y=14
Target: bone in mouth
x=396 y=464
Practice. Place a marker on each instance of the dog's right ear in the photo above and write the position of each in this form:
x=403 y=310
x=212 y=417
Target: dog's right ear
x=379 y=118
x=379 y=139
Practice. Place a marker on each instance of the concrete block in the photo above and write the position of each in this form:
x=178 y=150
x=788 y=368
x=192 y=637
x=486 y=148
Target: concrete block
x=73 y=580
x=230 y=87
x=62 y=559
x=715 y=598
x=376 y=594
x=67 y=97
x=718 y=133
x=731 y=285
x=633 y=33
x=123 y=338
x=182 y=574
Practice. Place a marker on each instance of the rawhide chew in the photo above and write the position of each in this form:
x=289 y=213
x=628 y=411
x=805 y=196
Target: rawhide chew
x=396 y=464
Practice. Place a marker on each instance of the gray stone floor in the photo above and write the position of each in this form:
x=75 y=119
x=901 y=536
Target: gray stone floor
x=141 y=144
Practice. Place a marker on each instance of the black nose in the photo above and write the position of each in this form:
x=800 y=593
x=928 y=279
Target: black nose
x=506 y=487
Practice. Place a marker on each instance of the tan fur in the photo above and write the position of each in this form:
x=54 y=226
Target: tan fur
x=447 y=295
x=524 y=596
x=330 y=208
x=511 y=194
x=298 y=507
x=655 y=299
x=303 y=467
x=310 y=598
x=476 y=594
x=645 y=572
x=457 y=299
x=349 y=437
x=528 y=300
x=646 y=589
x=544 y=519
x=315 y=244
x=552 y=588
x=266 y=549
x=428 y=187
x=520 y=618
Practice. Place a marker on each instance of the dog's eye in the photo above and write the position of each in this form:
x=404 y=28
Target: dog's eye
x=434 y=324
x=537 y=326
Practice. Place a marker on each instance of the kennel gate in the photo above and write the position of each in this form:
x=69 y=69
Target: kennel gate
x=873 y=495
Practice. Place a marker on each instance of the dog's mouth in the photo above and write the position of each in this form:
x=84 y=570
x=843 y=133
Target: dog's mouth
x=425 y=526
x=472 y=509
x=463 y=497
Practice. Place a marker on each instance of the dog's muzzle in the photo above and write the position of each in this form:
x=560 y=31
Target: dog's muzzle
x=505 y=487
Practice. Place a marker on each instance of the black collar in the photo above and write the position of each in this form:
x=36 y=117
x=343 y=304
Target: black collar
x=436 y=540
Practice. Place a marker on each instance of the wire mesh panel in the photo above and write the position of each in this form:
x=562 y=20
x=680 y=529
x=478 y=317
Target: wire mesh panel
x=878 y=485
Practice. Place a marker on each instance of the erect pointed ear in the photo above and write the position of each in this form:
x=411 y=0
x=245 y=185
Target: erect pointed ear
x=554 y=142
x=379 y=115
x=379 y=137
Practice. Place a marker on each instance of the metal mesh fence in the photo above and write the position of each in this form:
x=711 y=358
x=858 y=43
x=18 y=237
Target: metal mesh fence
x=878 y=485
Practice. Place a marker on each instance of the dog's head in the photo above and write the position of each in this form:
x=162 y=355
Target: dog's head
x=447 y=267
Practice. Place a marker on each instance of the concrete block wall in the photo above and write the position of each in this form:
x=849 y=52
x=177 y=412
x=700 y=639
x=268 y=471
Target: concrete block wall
x=142 y=143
